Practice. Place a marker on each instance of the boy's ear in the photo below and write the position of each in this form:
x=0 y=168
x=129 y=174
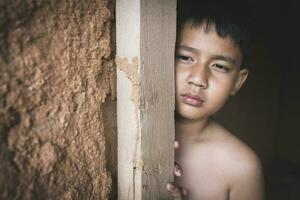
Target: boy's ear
x=242 y=76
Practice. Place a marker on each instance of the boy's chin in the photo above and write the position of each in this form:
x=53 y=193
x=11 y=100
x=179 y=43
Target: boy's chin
x=188 y=116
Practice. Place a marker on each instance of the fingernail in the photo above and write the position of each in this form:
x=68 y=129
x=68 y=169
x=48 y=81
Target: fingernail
x=178 y=171
x=170 y=186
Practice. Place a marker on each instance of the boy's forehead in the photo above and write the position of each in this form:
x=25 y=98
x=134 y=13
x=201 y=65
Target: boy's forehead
x=205 y=38
x=204 y=28
x=202 y=33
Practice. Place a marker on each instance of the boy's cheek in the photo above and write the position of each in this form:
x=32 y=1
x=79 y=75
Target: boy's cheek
x=181 y=76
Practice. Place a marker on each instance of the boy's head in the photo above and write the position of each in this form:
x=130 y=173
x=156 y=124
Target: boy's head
x=228 y=18
x=210 y=50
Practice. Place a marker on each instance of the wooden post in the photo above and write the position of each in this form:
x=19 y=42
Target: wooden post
x=146 y=32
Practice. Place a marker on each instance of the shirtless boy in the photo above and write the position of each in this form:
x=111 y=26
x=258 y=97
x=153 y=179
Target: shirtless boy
x=210 y=54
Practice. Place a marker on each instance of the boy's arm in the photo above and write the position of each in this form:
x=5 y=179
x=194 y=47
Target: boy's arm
x=248 y=182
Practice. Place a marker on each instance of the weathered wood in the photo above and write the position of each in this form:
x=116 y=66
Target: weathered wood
x=146 y=31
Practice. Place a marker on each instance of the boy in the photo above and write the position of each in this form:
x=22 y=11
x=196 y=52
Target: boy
x=210 y=54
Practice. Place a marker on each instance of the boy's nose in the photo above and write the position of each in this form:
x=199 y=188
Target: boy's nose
x=198 y=77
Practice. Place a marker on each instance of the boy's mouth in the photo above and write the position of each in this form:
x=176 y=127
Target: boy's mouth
x=192 y=99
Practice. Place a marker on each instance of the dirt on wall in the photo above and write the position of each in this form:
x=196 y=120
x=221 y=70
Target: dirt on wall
x=57 y=99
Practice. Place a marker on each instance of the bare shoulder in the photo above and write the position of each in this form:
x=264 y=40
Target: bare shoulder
x=241 y=165
x=240 y=155
x=235 y=155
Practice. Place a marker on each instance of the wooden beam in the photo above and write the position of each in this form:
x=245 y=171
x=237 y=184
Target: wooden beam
x=146 y=32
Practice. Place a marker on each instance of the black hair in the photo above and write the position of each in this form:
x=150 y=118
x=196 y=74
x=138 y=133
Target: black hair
x=229 y=18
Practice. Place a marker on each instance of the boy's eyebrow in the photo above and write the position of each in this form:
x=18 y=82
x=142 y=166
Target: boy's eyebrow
x=214 y=57
x=224 y=58
x=187 y=48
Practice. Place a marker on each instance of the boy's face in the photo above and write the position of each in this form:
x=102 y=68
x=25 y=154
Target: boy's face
x=207 y=72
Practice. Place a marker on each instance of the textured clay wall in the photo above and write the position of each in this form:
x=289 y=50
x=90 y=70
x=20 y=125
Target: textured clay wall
x=57 y=99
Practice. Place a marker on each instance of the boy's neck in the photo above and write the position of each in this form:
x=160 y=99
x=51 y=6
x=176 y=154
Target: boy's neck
x=189 y=126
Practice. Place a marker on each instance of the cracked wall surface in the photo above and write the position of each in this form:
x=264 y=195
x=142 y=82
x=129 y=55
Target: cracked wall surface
x=57 y=100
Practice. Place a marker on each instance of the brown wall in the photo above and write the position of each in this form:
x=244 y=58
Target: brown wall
x=57 y=99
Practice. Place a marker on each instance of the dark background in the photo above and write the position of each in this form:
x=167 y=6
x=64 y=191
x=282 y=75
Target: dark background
x=265 y=114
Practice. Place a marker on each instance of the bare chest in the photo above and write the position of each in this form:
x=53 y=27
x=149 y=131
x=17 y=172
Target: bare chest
x=203 y=175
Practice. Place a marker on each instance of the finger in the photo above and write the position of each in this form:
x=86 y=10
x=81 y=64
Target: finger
x=177 y=170
x=174 y=191
x=184 y=191
x=176 y=144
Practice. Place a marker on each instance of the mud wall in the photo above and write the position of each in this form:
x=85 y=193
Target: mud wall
x=57 y=100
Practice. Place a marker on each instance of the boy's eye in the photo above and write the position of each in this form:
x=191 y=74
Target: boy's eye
x=221 y=67
x=184 y=58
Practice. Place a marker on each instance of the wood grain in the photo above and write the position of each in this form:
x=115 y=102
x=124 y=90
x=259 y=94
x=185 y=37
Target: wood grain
x=146 y=32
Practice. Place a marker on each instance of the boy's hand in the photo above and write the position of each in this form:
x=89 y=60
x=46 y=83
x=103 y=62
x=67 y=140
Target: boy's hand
x=178 y=193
